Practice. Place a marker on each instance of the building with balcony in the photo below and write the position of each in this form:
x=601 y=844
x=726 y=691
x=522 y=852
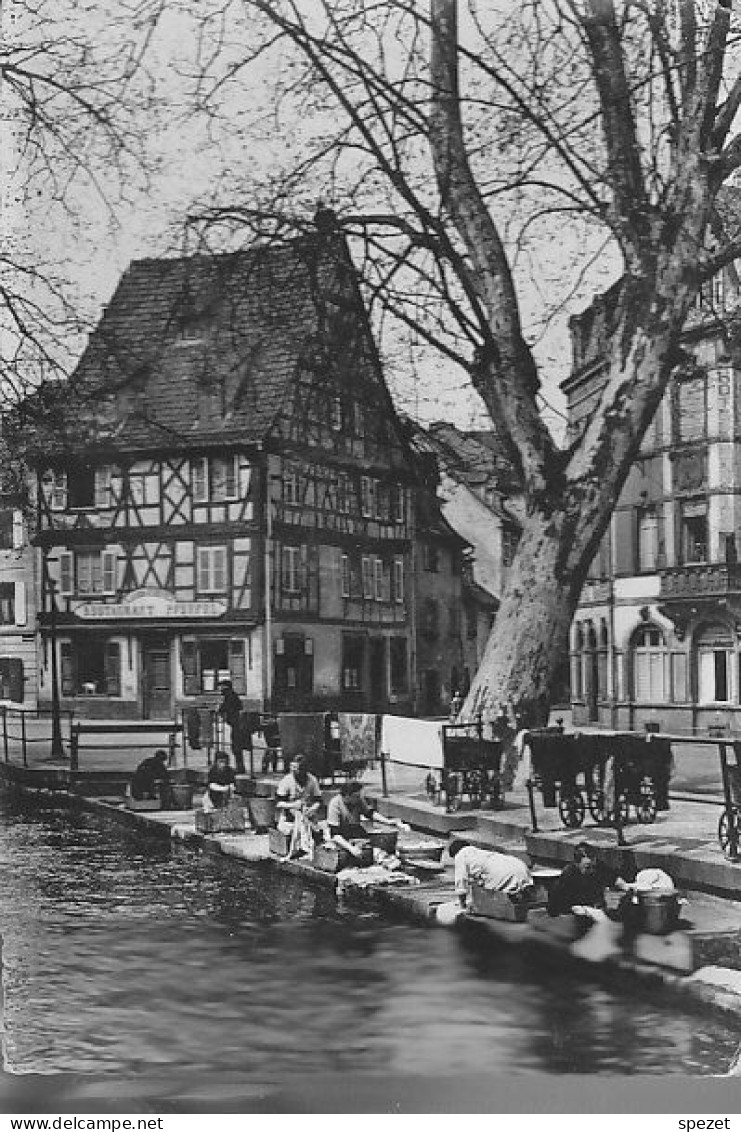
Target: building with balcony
x=656 y=639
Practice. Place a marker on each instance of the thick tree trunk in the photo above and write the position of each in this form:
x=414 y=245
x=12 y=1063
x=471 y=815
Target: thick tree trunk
x=530 y=633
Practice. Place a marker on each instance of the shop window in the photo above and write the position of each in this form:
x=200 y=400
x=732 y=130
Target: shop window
x=716 y=664
x=353 y=663
x=695 y=532
x=11 y=679
x=91 y=669
x=649 y=665
x=206 y=663
x=399 y=666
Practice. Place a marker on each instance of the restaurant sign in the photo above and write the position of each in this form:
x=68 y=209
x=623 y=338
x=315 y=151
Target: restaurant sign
x=149 y=604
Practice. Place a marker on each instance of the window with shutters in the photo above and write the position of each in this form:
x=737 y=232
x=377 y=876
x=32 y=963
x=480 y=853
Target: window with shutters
x=90 y=668
x=694 y=531
x=211 y=573
x=88 y=573
x=650 y=659
x=7 y=603
x=344 y=575
x=95 y=573
x=648 y=539
x=205 y=663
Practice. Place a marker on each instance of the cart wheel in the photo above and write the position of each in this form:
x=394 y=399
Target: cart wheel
x=474 y=787
x=572 y=810
x=646 y=808
x=597 y=807
x=724 y=831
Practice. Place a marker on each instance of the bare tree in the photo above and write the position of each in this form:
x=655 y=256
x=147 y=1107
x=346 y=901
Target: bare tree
x=73 y=95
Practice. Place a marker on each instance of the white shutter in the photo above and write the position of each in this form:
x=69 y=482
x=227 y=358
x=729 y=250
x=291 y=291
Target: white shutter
x=17 y=530
x=204 y=569
x=707 y=677
x=66 y=574
x=20 y=603
x=110 y=563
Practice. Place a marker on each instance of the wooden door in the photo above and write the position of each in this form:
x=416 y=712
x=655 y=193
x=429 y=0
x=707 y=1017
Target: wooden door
x=157 y=682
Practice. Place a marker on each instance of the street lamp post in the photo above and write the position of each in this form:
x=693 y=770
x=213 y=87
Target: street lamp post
x=57 y=747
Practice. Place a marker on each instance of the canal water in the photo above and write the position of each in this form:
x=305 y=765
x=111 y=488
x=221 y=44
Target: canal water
x=127 y=959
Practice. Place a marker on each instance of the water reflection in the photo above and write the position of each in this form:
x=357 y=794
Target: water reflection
x=125 y=957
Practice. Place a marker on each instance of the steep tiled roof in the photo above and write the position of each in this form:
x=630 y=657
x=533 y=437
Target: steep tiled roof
x=205 y=348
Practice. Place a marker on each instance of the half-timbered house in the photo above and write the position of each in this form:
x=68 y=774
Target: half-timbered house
x=238 y=504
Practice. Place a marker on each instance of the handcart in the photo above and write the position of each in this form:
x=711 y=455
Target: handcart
x=471 y=767
x=569 y=770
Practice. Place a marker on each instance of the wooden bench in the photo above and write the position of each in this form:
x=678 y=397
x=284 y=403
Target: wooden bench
x=168 y=729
